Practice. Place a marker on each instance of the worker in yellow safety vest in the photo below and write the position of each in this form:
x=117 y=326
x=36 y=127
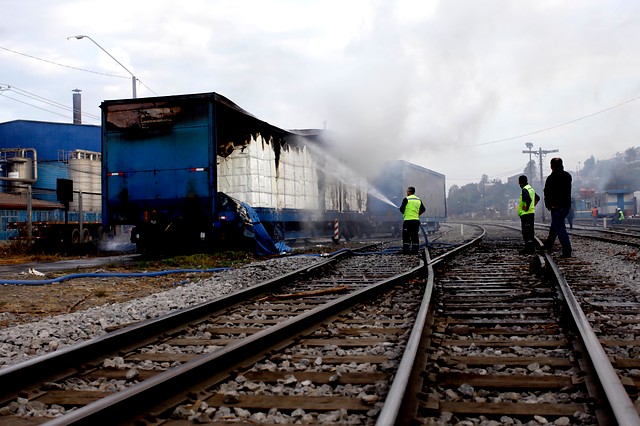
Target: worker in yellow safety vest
x=526 y=211
x=411 y=208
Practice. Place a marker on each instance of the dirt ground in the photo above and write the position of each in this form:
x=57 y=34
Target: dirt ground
x=27 y=303
x=24 y=303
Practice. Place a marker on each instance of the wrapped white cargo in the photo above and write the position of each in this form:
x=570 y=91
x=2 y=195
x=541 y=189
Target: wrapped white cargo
x=345 y=191
x=249 y=174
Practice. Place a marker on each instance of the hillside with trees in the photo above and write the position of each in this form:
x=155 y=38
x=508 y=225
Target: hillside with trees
x=492 y=198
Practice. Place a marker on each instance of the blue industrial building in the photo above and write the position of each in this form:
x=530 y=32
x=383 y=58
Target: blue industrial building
x=50 y=140
x=49 y=146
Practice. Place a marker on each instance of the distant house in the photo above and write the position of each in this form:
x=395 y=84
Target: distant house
x=610 y=200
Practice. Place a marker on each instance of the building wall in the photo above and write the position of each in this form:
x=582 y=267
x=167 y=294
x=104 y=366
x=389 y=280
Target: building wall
x=623 y=200
x=49 y=139
x=53 y=143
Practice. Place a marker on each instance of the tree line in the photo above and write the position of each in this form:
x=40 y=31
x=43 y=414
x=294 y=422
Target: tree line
x=492 y=198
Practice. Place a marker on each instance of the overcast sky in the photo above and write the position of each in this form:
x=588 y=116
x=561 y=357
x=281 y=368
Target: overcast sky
x=455 y=86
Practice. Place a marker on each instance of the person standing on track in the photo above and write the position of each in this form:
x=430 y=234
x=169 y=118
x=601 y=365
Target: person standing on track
x=526 y=211
x=557 y=199
x=411 y=208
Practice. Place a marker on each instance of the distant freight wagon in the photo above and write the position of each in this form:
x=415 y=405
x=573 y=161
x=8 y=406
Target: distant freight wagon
x=199 y=170
x=393 y=182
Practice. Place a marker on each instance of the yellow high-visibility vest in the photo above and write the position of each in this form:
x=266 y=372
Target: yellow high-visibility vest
x=532 y=205
x=412 y=209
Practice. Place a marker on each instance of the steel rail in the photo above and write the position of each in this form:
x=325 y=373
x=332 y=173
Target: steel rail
x=395 y=398
x=621 y=405
x=393 y=401
x=611 y=240
x=603 y=239
x=132 y=401
x=591 y=237
x=34 y=370
x=461 y=247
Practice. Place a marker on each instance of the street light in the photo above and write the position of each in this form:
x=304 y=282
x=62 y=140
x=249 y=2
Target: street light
x=133 y=77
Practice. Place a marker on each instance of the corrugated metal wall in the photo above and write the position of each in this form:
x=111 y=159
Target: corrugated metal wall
x=48 y=175
x=49 y=139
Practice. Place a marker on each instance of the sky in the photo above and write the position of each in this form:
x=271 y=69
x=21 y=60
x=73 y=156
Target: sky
x=456 y=86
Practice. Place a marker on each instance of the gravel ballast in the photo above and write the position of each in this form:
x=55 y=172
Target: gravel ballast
x=612 y=263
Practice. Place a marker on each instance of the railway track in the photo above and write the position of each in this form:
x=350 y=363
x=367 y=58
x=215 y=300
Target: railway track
x=614 y=235
x=612 y=312
x=82 y=376
x=510 y=344
x=344 y=342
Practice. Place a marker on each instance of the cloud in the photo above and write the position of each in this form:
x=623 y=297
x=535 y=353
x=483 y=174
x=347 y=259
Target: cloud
x=424 y=81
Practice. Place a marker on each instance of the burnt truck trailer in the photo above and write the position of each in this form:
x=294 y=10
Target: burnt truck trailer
x=199 y=170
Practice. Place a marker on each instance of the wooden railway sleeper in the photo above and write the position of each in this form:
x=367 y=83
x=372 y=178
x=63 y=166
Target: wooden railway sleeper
x=168 y=382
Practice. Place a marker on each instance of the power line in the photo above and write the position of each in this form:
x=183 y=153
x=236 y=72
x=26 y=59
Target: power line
x=62 y=65
x=43 y=100
x=31 y=105
x=46 y=101
x=148 y=88
x=494 y=176
x=75 y=68
x=556 y=126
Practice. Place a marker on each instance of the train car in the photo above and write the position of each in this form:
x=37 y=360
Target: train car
x=199 y=170
x=391 y=184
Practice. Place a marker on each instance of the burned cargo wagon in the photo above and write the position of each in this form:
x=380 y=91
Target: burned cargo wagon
x=184 y=169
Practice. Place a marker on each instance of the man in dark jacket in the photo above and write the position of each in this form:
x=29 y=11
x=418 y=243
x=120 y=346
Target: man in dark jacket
x=557 y=199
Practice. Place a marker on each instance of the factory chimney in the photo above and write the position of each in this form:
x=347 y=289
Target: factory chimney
x=77 y=106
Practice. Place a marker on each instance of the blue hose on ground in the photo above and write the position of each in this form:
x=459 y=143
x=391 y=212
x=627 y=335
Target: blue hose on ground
x=424 y=233
x=106 y=275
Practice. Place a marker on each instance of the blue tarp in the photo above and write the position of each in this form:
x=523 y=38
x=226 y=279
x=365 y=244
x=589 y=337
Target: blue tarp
x=253 y=228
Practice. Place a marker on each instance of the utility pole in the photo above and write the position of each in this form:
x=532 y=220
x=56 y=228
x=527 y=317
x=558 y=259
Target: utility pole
x=540 y=153
x=529 y=145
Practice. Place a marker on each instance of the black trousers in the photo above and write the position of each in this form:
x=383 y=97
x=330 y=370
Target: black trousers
x=528 y=234
x=410 y=237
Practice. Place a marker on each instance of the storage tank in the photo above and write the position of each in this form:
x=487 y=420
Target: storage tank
x=19 y=168
x=84 y=170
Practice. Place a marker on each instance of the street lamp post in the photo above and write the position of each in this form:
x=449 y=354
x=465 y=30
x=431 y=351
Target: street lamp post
x=133 y=77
